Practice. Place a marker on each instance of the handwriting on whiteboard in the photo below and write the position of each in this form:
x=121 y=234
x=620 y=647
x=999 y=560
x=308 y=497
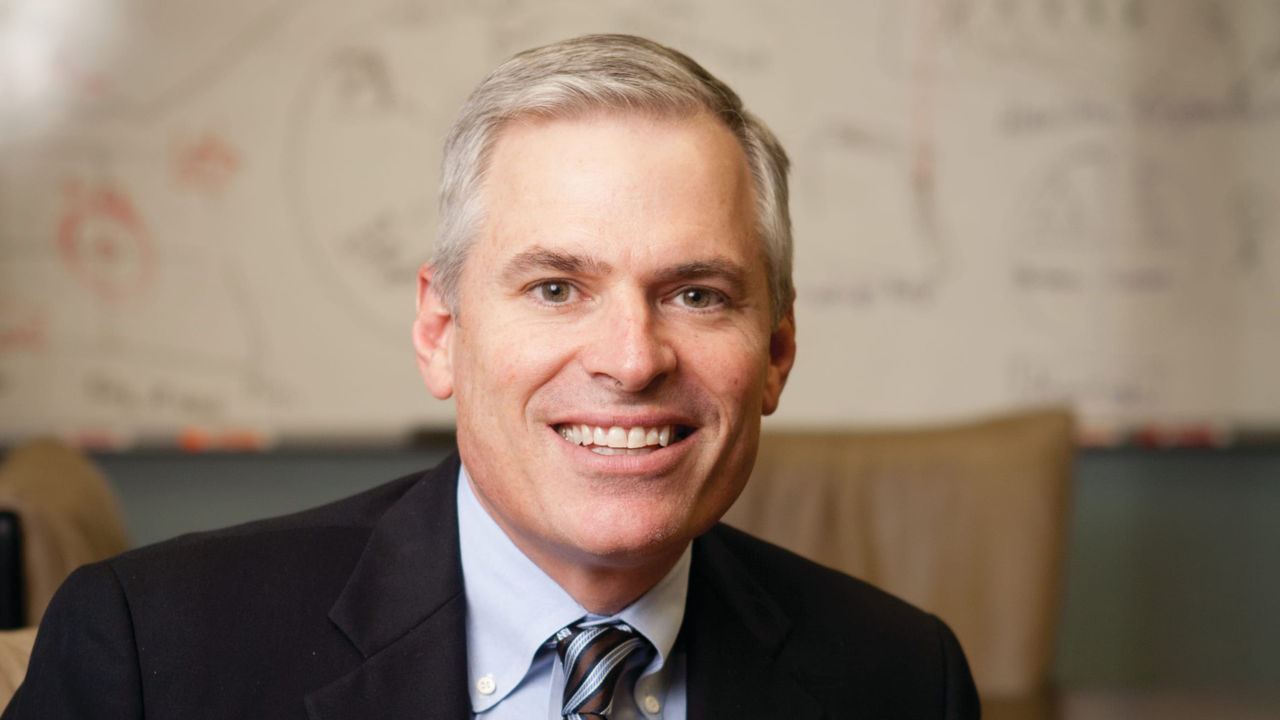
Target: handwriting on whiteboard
x=1120 y=387
x=133 y=397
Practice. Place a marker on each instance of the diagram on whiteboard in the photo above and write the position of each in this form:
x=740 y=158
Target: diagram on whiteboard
x=875 y=190
x=1100 y=229
x=1083 y=43
x=364 y=156
x=1254 y=266
x=153 y=318
x=887 y=246
x=212 y=214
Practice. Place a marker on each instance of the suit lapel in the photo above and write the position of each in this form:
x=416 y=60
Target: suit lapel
x=404 y=609
x=734 y=633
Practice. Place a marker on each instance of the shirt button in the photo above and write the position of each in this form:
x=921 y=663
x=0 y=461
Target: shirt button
x=486 y=685
x=651 y=704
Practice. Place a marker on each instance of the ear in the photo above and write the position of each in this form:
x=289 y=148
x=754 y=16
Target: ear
x=432 y=336
x=782 y=355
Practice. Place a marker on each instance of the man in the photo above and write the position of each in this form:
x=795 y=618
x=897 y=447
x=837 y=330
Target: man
x=610 y=305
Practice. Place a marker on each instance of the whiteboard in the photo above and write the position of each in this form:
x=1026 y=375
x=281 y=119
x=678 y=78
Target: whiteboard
x=211 y=213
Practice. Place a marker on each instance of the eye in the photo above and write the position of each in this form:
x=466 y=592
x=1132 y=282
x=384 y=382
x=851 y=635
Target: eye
x=701 y=298
x=554 y=292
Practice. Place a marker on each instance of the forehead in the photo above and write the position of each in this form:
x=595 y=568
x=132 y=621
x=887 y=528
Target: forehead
x=620 y=183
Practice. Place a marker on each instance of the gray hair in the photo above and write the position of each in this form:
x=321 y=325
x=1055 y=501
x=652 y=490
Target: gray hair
x=593 y=72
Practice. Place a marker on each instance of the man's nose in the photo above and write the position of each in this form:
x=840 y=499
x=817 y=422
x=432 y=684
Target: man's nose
x=630 y=349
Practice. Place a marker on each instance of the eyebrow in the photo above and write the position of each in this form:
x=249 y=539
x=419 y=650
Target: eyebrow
x=562 y=262
x=725 y=270
x=559 y=261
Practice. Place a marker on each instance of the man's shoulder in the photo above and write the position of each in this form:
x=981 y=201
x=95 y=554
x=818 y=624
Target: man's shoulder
x=850 y=643
x=272 y=580
x=247 y=602
x=792 y=579
x=824 y=606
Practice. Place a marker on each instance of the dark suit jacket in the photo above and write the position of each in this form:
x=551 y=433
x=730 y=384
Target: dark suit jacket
x=355 y=610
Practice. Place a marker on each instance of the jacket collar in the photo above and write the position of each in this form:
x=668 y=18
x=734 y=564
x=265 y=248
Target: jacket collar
x=735 y=634
x=404 y=609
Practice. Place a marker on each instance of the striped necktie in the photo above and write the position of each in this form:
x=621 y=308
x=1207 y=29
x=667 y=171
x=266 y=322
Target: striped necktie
x=593 y=658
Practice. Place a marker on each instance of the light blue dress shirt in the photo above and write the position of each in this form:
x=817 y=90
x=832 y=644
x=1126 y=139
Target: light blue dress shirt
x=514 y=608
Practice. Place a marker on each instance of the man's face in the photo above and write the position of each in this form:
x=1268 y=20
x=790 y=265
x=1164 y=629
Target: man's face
x=612 y=353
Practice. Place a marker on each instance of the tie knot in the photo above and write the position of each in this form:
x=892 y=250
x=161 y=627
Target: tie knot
x=593 y=658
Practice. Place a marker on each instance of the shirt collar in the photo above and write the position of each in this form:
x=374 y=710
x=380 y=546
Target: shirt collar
x=513 y=607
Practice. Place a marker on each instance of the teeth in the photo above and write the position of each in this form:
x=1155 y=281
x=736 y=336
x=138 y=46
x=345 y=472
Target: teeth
x=616 y=438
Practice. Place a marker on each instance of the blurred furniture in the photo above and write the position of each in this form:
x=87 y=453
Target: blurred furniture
x=66 y=516
x=1170 y=704
x=13 y=605
x=15 y=651
x=57 y=512
x=967 y=521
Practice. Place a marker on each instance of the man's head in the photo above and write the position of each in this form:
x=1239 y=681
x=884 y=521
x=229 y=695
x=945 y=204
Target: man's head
x=588 y=74
x=610 y=324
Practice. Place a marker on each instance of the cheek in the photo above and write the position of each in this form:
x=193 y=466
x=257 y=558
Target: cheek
x=512 y=360
x=732 y=366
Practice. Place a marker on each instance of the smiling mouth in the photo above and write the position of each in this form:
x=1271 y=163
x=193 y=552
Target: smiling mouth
x=618 y=440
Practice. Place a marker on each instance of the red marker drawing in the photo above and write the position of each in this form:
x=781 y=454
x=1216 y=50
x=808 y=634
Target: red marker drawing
x=104 y=243
x=205 y=164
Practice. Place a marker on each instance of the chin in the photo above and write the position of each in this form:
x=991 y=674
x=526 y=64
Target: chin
x=633 y=532
x=630 y=537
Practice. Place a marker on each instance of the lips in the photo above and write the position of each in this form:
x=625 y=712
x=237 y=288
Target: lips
x=619 y=440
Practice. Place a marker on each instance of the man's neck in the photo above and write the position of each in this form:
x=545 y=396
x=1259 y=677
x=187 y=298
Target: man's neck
x=601 y=588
